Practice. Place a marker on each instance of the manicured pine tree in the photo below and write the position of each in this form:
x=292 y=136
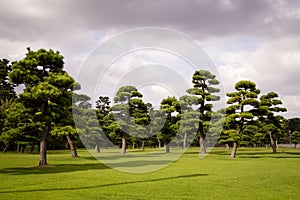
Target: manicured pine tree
x=295 y=138
x=171 y=107
x=127 y=102
x=242 y=105
x=271 y=122
x=140 y=111
x=48 y=88
x=103 y=111
x=64 y=123
x=204 y=83
x=189 y=120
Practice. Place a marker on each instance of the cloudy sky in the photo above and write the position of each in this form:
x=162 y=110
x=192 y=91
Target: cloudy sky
x=257 y=40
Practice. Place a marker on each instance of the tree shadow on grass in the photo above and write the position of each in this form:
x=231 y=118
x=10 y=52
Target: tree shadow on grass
x=65 y=168
x=139 y=163
x=52 y=169
x=109 y=184
x=277 y=155
x=115 y=156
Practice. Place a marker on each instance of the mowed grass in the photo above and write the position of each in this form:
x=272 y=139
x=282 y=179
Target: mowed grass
x=254 y=174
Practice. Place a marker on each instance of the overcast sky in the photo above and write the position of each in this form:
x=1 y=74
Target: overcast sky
x=256 y=40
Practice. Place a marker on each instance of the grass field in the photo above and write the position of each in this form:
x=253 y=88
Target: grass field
x=254 y=174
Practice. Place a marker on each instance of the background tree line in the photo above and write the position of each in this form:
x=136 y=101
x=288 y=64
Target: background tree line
x=42 y=115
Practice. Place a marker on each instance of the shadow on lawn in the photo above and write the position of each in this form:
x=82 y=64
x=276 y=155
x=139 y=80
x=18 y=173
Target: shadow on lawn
x=245 y=153
x=52 y=169
x=110 y=184
x=268 y=155
x=139 y=163
x=64 y=168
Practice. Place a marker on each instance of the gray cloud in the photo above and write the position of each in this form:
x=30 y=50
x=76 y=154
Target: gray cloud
x=52 y=19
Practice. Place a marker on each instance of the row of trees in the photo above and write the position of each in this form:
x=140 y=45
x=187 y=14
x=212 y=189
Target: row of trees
x=48 y=106
x=190 y=115
x=248 y=120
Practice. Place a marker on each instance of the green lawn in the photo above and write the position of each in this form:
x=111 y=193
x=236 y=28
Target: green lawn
x=254 y=174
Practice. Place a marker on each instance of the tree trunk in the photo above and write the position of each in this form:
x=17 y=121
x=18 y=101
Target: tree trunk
x=32 y=147
x=18 y=147
x=43 y=146
x=184 y=141
x=5 y=148
x=123 y=147
x=98 y=146
x=22 y=149
x=227 y=147
x=202 y=144
x=167 y=146
x=133 y=144
x=290 y=137
x=273 y=145
x=159 y=144
x=234 y=149
x=235 y=143
x=143 y=145
x=72 y=147
x=295 y=146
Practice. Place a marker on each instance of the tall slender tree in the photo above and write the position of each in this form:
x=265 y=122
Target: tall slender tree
x=103 y=109
x=204 y=83
x=270 y=121
x=189 y=119
x=7 y=94
x=127 y=101
x=242 y=105
x=171 y=107
x=7 y=91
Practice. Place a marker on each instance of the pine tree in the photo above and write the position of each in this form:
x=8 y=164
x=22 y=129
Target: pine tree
x=242 y=105
x=271 y=123
x=48 y=89
x=203 y=89
x=128 y=103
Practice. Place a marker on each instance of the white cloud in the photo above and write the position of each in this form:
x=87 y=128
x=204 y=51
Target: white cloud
x=273 y=66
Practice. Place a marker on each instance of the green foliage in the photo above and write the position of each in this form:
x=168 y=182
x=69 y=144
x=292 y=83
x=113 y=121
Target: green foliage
x=271 y=123
x=203 y=91
x=62 y=131
x=18 y=126
x=45 y=106
x=242 y=107
x=295 y=137
x=130 y=115
x=171 y=107
x=48 y=89
x=6 y=88
x=7 y=94
x=36 y=66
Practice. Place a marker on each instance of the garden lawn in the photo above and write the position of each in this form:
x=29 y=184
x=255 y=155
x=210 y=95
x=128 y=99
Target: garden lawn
x=255 y=174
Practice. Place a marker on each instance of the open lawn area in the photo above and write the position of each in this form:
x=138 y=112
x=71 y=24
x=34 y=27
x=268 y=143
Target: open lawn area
x=254 y=174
